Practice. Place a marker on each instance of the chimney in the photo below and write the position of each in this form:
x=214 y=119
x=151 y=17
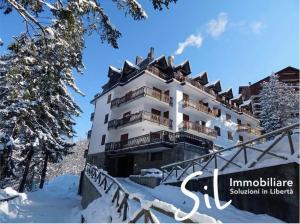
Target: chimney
x=151 y=53
x=249 y=83
x=138 y=60
x=171 y=60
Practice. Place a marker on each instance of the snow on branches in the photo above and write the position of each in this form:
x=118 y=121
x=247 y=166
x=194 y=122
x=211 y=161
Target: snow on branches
x=278 y=102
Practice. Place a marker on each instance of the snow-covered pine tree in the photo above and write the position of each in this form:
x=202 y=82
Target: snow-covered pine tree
x=36 y=109
x=278 y=101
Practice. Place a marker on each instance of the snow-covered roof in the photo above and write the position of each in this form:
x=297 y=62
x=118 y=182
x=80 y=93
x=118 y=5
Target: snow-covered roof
x=185 y=67
x=112 y=70
x=216 y=85
x=161 y=59
x=131 y=64
x=115 y=69
x=246 y=103
x=237 y=97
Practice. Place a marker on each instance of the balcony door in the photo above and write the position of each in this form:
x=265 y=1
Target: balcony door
x=157 y=93
x=124 y=139
x=155 y=115
x=126 y=117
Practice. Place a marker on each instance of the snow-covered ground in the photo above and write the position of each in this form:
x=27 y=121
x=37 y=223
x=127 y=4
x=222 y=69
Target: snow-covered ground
x=173 y=195
x=57 y=202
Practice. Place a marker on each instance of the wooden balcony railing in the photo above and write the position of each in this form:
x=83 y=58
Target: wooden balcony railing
x=156 y=71
x=141 y=92
x=198 y=107
x=187 y=125
x=158 y=137
x=139 y=117
x=246 y=128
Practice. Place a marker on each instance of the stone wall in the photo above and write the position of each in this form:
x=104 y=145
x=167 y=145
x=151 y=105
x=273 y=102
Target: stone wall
x=281 y=206
x=87 y=191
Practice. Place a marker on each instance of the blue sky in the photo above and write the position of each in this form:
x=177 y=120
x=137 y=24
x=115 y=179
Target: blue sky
x=236 y=41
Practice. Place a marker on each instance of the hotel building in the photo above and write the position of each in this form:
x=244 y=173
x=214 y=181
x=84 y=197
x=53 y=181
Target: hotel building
x=152 y=113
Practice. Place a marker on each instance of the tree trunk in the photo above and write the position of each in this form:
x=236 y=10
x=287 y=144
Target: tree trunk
x=25 y=174
x=44 y=171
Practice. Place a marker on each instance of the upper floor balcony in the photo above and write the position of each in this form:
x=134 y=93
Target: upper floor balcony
x=248 y=129
x=187 y=103
x=142 y=92
x=156 y=140
x=140 y=117
x=188 y=125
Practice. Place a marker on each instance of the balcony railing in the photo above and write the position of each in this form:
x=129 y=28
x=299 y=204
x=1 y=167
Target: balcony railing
x=250 y=130
x=141 y=92
x=139 y=117
x=187 y=125
x=158 y=137
x=198 y=107
x=156 y=71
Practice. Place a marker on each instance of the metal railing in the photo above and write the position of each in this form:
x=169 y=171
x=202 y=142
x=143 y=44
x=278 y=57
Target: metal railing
x=188 y=125
x=180 y=169
x=141 y=92
x=122 y=199
x=158 y=137
x=139 y=117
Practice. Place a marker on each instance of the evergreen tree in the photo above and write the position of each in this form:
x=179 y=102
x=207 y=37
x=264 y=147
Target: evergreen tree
x=36 y=109
x=278 y=101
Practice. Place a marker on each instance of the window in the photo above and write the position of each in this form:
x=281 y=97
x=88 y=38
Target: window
x=229 y=135
x=106 y=118
x=156 y=156
x=109 y=98
x=218 y=130
x=239 y=122
x=228 y=117
x=166 y=114
x=186 y=97
x=124 y=139
x=155 y=112
x=241 y=138
x=186 y=117
x=103 y=139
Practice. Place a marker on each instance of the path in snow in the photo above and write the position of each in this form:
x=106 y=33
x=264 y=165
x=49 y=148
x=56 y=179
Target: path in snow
x=173 y=195
x=57 y=202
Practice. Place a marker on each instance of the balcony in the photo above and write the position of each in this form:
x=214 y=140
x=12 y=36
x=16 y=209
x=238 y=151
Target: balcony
x=154 y=70
x=199 y=107
x=248 y=129
x=139 y=117
x=187 y=125
x=141 y=92
x=158 y=139
x=178 y=76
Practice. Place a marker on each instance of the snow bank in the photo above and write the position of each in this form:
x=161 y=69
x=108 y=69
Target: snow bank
x=101 y=210
x=56 y=202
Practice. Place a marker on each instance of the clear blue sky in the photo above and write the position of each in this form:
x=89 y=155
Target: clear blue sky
x=236 y=41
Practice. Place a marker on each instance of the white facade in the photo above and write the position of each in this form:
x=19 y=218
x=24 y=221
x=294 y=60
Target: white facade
x=176 y=112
